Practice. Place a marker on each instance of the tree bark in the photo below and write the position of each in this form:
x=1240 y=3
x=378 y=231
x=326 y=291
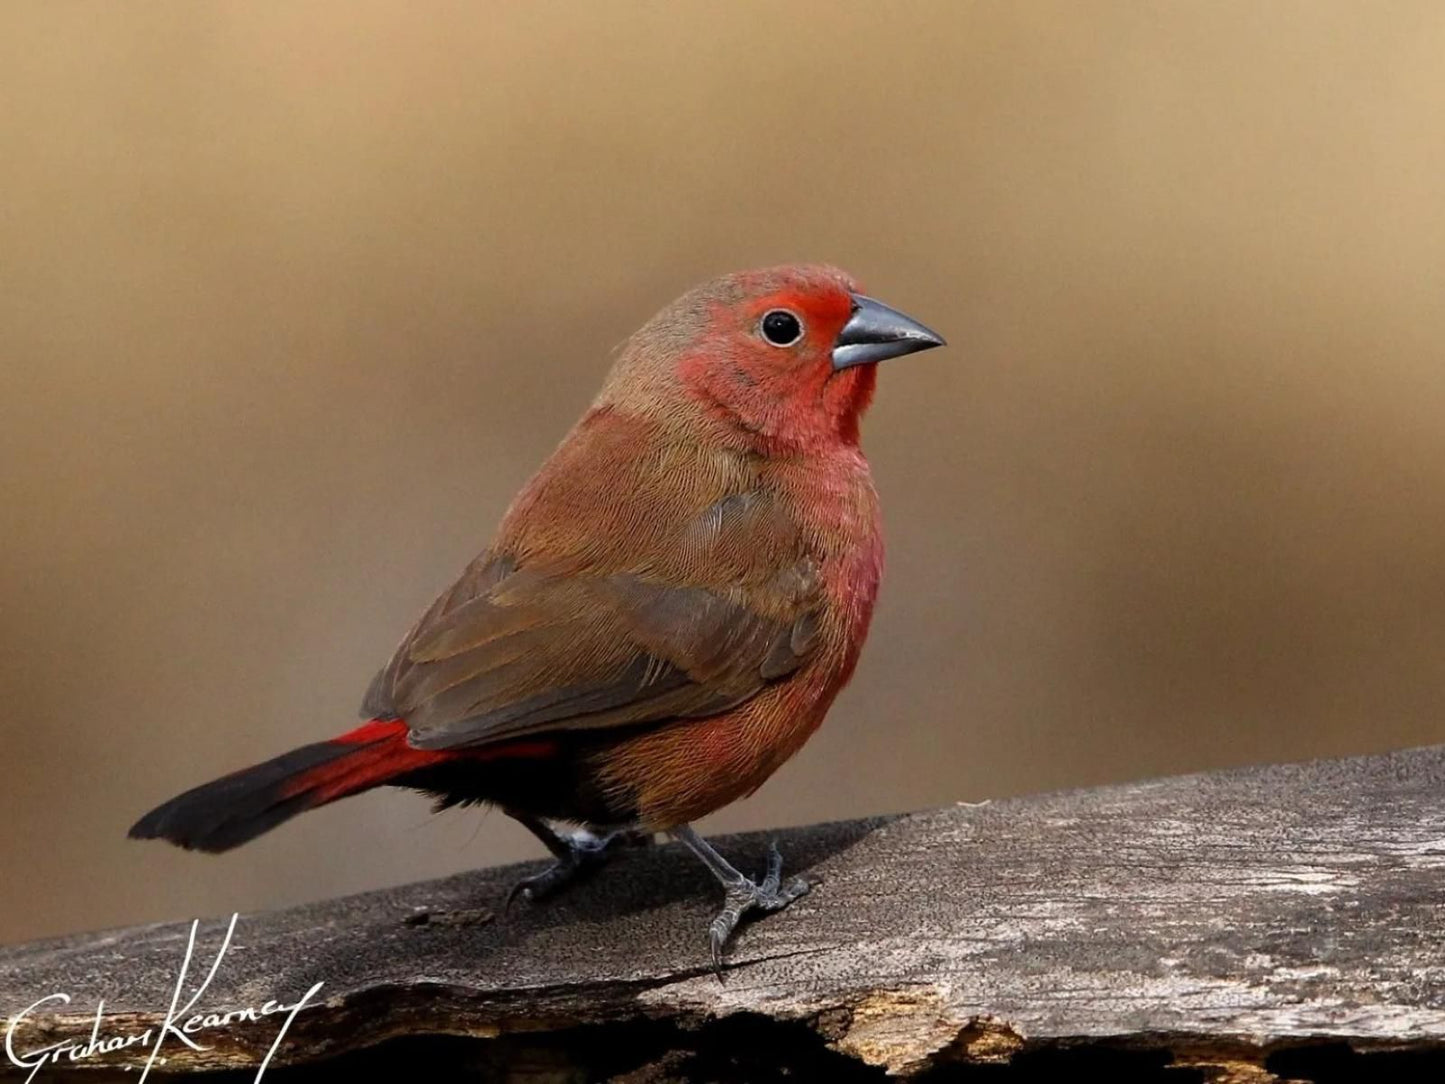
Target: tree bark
x=1283 y=922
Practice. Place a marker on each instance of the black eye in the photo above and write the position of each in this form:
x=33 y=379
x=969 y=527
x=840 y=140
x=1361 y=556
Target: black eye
x=782 y=328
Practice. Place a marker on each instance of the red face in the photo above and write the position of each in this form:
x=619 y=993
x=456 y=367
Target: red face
x=766 y=362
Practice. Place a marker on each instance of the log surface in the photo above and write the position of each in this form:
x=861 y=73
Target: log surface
x=1238 y=925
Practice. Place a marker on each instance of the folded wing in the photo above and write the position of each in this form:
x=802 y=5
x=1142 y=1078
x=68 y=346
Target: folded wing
x=515 y=650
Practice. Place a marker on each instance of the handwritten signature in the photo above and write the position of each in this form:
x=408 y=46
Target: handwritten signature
x=177 y=1023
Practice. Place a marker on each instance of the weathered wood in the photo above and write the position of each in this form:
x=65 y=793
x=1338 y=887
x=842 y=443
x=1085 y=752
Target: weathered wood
x=1273 y=919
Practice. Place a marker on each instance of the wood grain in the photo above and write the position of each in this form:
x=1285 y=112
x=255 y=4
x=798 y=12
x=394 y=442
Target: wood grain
x=1238 y=924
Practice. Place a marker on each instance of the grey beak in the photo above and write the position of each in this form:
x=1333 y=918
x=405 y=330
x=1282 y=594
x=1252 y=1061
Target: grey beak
x=875 y=333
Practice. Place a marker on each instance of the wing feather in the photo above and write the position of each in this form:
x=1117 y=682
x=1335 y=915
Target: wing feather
x=521 y=646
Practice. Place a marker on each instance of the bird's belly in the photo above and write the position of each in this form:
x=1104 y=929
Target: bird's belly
x=689 y=768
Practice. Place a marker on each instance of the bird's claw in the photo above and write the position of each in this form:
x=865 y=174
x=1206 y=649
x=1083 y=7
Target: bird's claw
x=744 y=896
x=585 y=853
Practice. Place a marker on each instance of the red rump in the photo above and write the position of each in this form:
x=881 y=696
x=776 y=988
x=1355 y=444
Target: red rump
x=226 y=812
x=383 y=755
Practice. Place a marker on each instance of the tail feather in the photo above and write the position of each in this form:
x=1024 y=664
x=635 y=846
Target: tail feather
x=229 y=811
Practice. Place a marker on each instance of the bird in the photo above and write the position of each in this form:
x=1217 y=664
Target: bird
x=664 y=615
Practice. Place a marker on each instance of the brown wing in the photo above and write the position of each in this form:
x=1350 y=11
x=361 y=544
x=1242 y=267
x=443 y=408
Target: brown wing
x=522 y=646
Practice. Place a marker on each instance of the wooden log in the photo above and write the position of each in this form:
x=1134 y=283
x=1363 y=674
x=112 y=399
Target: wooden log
x=1274 y=922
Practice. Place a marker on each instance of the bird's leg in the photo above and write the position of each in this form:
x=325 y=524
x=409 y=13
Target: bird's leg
x=742 y=895
x=578 y=854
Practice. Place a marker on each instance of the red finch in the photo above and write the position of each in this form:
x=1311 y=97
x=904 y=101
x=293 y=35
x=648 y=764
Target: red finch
x=665 y=614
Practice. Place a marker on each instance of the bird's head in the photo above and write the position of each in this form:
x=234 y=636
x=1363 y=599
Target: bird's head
x=779 y=360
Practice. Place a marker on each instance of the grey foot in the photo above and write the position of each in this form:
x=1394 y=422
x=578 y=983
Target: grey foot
x=744 y=895
x=585 y=853
x=579 y=854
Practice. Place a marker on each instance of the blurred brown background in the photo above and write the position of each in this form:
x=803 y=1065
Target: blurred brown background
x=293 y=297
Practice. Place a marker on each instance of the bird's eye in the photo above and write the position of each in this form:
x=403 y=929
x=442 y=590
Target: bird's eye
x=781 y=327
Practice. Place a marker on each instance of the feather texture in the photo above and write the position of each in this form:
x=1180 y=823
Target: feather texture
x=666 y=611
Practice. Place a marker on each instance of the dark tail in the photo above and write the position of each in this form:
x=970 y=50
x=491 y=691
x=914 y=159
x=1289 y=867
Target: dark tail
x=227 y=812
